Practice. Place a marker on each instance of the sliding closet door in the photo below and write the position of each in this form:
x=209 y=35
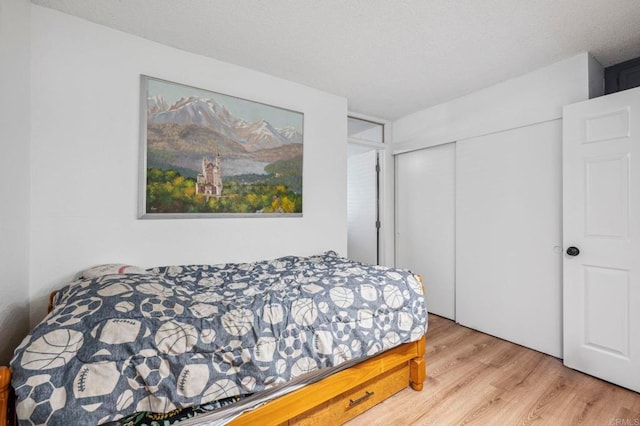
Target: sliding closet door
x=508 y=235
x=425 y=222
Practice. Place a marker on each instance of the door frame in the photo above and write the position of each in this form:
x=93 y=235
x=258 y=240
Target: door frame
x=386 y=243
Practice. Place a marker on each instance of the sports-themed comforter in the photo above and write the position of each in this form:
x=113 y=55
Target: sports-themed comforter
x=179 y=336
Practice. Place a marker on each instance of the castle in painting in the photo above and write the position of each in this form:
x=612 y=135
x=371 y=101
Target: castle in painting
x=209 y=182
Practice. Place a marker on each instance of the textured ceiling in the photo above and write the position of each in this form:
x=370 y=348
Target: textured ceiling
x=388 y=57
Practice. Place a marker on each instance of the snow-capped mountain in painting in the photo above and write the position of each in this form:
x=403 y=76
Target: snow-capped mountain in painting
x=291 y=134
x=208 y=113
x=260 y=135
x=156 y=104
x=199 y=111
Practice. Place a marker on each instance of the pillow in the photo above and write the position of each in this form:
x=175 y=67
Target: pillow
x=112 y=268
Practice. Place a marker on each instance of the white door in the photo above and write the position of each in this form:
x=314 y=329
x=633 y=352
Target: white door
x=362 y=208
x=508 y=235
x=425 y=222
x=602 y=220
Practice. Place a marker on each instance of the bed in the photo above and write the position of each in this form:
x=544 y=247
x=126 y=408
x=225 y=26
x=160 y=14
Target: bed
x=118 y=342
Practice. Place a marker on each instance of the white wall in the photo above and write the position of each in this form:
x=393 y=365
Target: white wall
x=532 y=98
x=14 y=174
x=85 y=136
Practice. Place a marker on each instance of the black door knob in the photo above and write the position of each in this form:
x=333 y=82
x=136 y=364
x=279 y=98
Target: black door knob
x=573 y=251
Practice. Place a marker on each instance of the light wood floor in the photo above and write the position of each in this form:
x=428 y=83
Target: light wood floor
x=474 y=378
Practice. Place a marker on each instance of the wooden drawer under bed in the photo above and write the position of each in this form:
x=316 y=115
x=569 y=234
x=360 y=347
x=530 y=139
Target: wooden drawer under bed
x=346 y=394
x=356 y=400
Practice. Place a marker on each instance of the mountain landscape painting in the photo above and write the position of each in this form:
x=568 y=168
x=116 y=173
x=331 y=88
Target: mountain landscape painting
x=206 y=153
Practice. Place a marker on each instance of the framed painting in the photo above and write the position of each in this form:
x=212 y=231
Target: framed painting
x=206 y=154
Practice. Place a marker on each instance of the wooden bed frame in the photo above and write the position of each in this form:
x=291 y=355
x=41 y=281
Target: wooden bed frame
x=332 y=400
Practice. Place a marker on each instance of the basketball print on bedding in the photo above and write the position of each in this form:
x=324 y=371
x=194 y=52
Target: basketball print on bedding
x=341 y=353
x=53 y=350
x=342 y=296
x=393 y=296
x=174 y=337
x=304 y=311
x=390 y=340
x=303 y=366
x=238 y=322
x=221 y=389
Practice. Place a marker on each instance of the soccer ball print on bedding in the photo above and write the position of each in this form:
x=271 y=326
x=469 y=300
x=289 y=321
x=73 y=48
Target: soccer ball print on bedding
x=73 y=313
x=148 y=371
x=160 y=307
x=39 y=399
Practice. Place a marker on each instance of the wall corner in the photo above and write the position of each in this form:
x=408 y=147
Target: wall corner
x=595 y=72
